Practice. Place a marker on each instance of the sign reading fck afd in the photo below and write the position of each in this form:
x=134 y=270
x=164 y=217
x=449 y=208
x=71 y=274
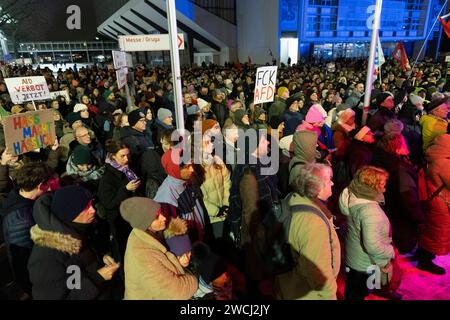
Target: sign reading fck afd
x=266 y=79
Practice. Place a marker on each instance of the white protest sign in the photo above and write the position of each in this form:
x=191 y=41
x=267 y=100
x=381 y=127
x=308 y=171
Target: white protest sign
x=122 y=77
x=120 y=59
x=27 y=89
x=153 y=42
x=266 y=79
x=447 y=59
x=56 y=94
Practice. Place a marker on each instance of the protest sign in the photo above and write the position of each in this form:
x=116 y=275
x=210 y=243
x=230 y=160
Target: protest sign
x=56 y=94
x=122 y=77
x=29 y=131
x=266 y=79
x=27 y=89
x=120 y=59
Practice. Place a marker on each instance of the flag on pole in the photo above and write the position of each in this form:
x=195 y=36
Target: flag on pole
x=401 y=56
x=445 y=26
x=379 y=58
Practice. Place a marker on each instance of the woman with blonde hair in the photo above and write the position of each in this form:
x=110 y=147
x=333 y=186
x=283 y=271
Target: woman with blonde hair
x=368 y=240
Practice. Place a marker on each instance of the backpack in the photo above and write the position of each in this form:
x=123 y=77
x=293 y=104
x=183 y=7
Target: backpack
x=271 y=242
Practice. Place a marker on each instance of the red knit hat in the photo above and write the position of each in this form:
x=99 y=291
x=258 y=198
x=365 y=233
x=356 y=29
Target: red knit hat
x=171 y=161
x=208 y=124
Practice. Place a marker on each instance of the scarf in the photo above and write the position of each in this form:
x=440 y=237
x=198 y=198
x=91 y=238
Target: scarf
x=131 y=176
x=363 y=191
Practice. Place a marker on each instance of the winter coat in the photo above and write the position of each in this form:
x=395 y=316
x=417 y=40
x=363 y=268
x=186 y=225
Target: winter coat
x=402 y=199
x=57 y=250
x=277 y=108
x=432 y=127
x=111 y=192
x=220 y=111
x=93 y=174
x=305 y=143
x=216 y=188
x=98 y=154
x=436 y=235
x=359 y=154
x=378 y=120
x=17 y=220
x=316 y=263
x=137 y=141
x=368 y=241
x=153 y=273
x=291 y=121
x=341 y=140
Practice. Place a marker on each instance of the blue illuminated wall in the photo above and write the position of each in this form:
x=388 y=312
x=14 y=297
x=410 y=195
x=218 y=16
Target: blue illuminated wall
x=346 y=20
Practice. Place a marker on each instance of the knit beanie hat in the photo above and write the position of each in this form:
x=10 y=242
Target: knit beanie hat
x=238 y=115
x=382 y=96
x=415 y=99
x=281 y=91
x=134 y=117
x=393 y=126
x=139 y=212
x=202 y=103
x=163 y=114
x=192 y=110
x=208 y=124
x=362 y=133
x=314 y=115
x=79 y=107
x=69 y=202
x=73 y=117
x=345 y=115
x=171 y=161
x=82 y=155
x=436 y=104
x=276 y=121
x=107 y=94
x=291 y=100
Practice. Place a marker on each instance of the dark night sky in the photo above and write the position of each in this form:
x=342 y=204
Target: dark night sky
x=48 y=21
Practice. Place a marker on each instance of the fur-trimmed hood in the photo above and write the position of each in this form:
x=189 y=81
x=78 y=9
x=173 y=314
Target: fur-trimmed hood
x=176 y=227
x=65 y=243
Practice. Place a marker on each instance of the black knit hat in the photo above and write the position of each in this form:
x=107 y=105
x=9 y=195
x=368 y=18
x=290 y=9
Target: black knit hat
x=135 y=116
x=72 y=117
x=82 y=155
x=276 y=121
x=382 y=96
x=69 y=202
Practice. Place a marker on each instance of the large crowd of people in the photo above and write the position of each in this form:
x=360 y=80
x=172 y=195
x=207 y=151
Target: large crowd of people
x=123 y=206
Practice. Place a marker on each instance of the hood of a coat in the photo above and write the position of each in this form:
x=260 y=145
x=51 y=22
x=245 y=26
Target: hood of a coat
x=440 y=149
x=15 y=201
x=305 y=143
x=176 y=227
x=126 y=132
x=92 y=174
x=347 y=200
x=65 y=243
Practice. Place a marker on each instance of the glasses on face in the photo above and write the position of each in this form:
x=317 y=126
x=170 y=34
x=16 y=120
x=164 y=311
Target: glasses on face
x=83 y=136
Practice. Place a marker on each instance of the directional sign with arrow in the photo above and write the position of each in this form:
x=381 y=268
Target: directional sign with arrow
x=153 y=42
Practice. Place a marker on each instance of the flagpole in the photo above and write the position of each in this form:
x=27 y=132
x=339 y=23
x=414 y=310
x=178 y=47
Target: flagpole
x=429 y=33
x=371 y=65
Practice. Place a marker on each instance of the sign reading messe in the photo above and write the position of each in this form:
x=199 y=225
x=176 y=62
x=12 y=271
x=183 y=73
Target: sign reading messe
x=29 y=131
x=27 y=89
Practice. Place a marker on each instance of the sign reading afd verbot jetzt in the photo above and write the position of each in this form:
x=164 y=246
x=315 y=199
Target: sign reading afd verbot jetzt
x=27 y=89
x=29 y=131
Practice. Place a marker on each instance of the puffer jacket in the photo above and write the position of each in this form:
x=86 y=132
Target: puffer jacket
x=17 y=217
x=216 y=188
x=368 y=241
x=436 y=235
x=317 y=262
x=305 y=143
x=58 y=248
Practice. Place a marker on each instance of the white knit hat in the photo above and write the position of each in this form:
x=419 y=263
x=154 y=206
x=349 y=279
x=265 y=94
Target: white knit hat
x=79 y=107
